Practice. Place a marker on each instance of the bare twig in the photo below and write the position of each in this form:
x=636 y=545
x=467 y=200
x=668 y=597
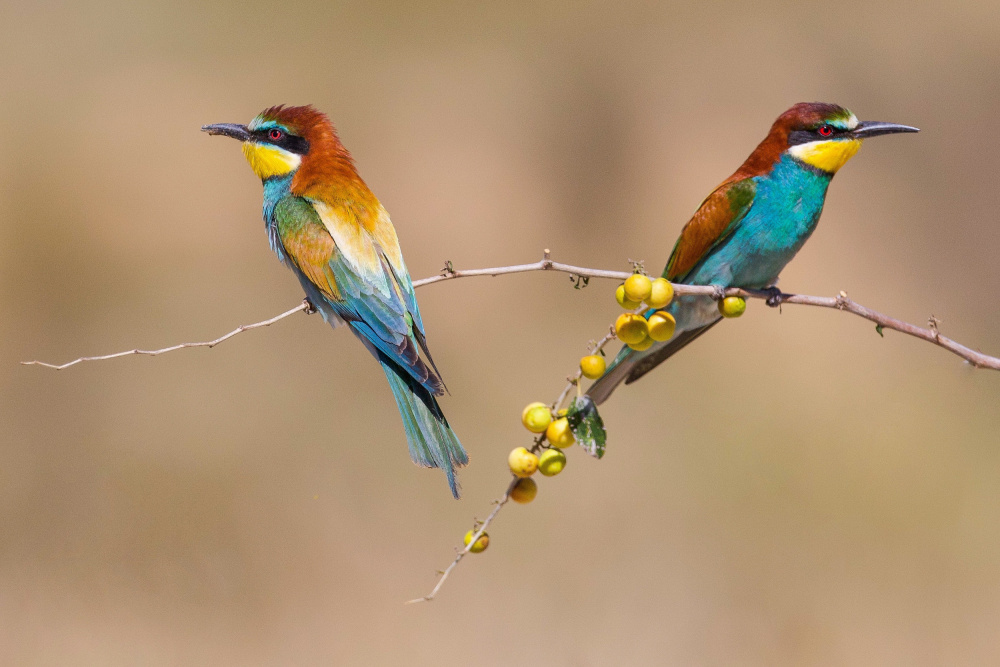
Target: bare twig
x=840 y=302
x=581 y=274
x=475 y=538
x=304 y=306
x=571 y=381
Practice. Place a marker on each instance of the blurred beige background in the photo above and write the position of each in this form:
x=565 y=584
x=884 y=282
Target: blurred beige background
x=791 y=490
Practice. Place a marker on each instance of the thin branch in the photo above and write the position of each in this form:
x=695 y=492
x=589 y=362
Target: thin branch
x=840 y=302
x=773 y=298
x=930 y=334
x=571 y=381
x=475 y=538
x=304 y=306
x=546 y=264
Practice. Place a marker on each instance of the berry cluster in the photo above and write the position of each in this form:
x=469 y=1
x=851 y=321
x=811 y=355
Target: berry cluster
x=557 y=429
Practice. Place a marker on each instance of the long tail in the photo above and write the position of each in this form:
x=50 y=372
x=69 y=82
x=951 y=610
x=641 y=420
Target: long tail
x=432 y=442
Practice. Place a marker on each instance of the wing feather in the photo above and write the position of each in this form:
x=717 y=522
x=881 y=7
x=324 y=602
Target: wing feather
x=364 y=283
x=714 y=220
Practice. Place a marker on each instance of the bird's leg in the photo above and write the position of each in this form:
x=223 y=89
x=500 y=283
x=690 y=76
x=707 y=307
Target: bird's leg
x=775 y=296
x=310 y=308
x=718 y=292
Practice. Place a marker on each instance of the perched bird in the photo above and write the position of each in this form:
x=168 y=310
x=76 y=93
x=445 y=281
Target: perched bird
x=752 y=225
x=327 y=227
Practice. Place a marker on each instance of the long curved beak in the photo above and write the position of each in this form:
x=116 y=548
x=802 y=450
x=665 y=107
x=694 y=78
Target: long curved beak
x=228 y=129
x=874 y=128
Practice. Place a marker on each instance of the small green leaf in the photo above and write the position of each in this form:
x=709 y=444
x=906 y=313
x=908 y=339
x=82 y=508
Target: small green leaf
x=587 y=425
x=878 y=330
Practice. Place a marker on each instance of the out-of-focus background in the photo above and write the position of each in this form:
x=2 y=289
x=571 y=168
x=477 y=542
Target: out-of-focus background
x=792 y=489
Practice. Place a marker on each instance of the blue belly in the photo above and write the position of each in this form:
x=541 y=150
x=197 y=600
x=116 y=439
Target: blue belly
x=784 y=213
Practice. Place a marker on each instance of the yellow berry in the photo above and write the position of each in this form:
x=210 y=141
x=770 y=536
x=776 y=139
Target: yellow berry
x=732 y=306
x=536 y=417
x=622 y=301
x=524 y=491
x=638 y=287
x=661 y=326
x=631 y=328
x=592 y=366
x=661 y=295
x=481 y=543
x=559 y=434
x=522 y=462
x=644 y=344
x=552 y=462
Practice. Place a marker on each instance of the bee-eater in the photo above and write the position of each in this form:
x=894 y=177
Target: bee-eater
x=325 y=224
x=752 y=225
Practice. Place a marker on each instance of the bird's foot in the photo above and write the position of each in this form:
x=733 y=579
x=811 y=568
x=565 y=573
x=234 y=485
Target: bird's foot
x=775 y=297
x=310 y=308
x=718 y=292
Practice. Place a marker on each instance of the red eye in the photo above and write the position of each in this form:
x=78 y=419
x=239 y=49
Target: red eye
x=825 y=131
x=275 y=135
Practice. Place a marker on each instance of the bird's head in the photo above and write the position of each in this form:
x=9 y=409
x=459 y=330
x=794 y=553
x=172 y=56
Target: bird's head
x=825 y=136
x=288 y=141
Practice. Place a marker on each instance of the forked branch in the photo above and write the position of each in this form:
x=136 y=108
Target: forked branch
x=580 y=275
x=930 y=334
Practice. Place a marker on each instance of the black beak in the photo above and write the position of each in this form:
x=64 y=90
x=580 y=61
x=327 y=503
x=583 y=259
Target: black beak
x=229 y=129
x=873 y=128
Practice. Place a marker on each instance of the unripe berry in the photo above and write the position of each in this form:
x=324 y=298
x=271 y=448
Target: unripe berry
x=661 y=326
x=592 y=366
x=536 y=417
x=732 y=306
x=481 y=543
x=638 y=287
x=631 y=328
x=551 y=462
x=624 y=302
x=522 y=462
x=524 y=491
x=661 y=295
x=559 y=434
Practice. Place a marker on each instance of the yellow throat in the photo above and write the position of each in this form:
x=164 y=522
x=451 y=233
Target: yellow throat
x=828 y=156
x=268 y=161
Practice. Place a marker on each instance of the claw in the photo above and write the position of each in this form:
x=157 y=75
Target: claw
x=775 y=297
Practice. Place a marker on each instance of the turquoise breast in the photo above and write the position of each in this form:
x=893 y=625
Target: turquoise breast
x=784 y=213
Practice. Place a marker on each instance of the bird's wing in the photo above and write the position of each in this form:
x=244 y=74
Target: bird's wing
x=714 y=220
x=364 y=281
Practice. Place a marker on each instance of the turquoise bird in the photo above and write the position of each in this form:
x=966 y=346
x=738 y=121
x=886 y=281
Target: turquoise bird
x=753 y=224
x=327 y=226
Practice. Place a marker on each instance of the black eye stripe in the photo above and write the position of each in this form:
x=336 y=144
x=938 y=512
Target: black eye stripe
x=289 y=142
x=796 y=137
